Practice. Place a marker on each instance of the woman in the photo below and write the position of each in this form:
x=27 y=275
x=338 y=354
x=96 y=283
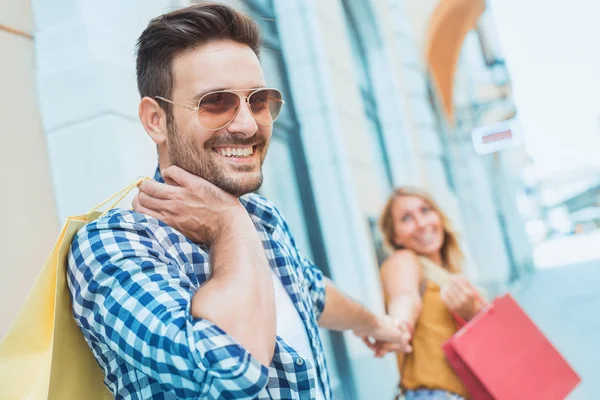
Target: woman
x=419 y=234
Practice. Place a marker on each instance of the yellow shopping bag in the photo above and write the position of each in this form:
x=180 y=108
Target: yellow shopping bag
x=44 y=355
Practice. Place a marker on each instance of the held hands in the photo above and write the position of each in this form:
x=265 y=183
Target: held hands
x=190 y=204
x=461 y=297
x=387 y=335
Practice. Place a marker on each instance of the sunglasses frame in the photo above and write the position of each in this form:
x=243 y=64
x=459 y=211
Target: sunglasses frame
x=237 y=109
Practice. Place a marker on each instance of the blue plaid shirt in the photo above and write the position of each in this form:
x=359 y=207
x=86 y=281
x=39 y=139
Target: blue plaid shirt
x=132 y=279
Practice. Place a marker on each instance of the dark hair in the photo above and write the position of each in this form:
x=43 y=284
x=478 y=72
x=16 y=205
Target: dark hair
x=170 y=34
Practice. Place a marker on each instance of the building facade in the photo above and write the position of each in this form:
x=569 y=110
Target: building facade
x=379 y=94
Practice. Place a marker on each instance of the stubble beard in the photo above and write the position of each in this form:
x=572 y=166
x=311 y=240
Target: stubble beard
x=186 y=155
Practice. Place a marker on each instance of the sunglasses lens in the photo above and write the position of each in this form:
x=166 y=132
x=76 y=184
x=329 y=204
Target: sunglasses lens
x=218 y=109
x=266 y=105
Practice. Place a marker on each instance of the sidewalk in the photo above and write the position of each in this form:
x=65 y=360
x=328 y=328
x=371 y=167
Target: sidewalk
x=565 y=303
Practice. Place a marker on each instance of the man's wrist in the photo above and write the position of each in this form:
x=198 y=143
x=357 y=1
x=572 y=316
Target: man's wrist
x=368 y=324
x=233 y=223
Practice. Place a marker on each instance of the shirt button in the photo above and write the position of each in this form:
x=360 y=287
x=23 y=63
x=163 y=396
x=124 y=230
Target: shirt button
x=299 y=362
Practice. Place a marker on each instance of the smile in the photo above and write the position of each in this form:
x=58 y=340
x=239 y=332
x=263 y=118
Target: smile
x=427 y=238
x=241 y=152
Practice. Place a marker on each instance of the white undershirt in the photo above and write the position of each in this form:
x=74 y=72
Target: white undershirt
x=291 y=329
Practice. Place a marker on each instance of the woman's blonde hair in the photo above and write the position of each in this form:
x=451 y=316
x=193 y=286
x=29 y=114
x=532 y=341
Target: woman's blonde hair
x=452 y=255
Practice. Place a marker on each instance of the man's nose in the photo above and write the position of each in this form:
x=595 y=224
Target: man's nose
x=244 y=122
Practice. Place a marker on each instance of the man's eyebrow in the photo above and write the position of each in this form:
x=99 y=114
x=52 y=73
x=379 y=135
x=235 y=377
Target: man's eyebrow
x=199 y=95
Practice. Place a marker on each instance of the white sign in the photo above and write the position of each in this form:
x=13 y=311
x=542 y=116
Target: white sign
x=499 y=136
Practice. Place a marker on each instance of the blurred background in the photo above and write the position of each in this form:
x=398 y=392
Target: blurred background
x=379 y=94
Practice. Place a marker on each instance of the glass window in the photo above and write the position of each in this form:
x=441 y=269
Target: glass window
x=282 y=180
x=442 y=135
x=360 y=55
x=281 y=187
x=287 y=183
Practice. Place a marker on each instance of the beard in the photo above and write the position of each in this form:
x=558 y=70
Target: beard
x=201 y=161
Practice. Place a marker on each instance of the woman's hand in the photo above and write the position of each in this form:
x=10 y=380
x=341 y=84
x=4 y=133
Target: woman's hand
x=389 y=336
x=461 y=297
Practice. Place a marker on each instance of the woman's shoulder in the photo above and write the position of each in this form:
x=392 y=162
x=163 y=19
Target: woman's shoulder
x=403 y=255
x=401 y=258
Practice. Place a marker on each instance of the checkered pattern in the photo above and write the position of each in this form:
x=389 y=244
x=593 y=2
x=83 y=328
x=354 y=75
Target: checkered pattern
x=132 y=279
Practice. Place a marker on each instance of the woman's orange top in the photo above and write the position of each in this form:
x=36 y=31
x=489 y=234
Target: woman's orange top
x=426 y=366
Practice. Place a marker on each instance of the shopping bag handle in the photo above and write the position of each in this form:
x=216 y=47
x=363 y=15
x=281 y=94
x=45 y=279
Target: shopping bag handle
x=120 y=195
x=460 y=321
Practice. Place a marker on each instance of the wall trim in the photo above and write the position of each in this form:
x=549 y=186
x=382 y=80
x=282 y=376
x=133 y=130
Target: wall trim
x=16 y=31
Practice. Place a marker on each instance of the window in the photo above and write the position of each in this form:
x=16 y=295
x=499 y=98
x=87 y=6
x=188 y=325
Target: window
x=360 y=55
x=442 y=135
x=286 y=180
x=287 y=183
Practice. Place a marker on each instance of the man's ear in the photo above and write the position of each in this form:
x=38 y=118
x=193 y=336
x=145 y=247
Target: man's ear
x=154 y=120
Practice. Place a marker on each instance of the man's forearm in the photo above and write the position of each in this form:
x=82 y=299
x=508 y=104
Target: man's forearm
x=342 y=313
x=239 y=296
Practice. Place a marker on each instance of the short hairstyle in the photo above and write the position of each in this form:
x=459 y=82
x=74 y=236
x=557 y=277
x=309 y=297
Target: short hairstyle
x=171 y=34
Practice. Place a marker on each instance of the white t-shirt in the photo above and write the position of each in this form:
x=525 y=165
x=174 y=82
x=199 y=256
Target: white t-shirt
x=291 y=329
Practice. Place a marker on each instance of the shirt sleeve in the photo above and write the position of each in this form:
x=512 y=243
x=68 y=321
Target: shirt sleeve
x=316 y=284
x=131 y=296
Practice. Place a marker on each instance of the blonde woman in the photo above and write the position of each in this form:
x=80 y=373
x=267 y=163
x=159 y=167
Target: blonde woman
x=420 y=235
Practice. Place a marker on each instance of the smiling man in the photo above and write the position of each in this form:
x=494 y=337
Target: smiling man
x=200 y=291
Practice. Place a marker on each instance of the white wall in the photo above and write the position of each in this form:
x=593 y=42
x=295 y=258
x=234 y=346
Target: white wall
x=27 y=207
x=88 y=96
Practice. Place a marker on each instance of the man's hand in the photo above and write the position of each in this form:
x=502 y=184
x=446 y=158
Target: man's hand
x=238 y=297
x=461 y=297
x=386 y=335
x=190 y=204
x=381 y=333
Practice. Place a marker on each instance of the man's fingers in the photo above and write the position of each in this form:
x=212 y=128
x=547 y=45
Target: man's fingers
x=137 y=207
x=170 y=181
x=152 y=203
x=379 y=348
x=180 y=176
x=157 y=189
x=135 y=204
x=386 y=347
x=381 y=352
x=370 y=344
x=393 y=335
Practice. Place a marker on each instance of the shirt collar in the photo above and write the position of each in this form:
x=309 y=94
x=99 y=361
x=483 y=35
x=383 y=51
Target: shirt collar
x=158 y=176
x=259 y=209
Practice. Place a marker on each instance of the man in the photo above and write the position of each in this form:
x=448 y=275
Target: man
x=200 y=292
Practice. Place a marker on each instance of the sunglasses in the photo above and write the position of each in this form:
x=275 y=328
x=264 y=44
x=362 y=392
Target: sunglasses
x=217 y=109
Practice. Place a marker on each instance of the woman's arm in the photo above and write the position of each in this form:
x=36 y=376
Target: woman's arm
x=401 y=278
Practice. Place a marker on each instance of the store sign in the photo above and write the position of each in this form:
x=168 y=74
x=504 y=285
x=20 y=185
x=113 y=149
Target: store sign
x=499 y=136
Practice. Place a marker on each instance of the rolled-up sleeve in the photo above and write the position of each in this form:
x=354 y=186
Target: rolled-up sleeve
x=130 y=296
x=316 y=285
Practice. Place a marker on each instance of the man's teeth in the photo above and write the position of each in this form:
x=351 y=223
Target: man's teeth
x=235 y=151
